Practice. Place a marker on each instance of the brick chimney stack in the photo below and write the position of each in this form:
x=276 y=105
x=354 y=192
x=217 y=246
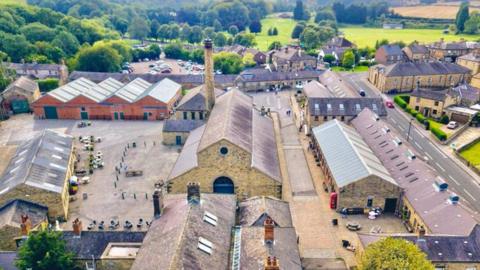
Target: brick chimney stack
x=269 y=230
x=158 y=200
x=193 y=193
x=77 y=227
x=209 y=77
x=26 y=225
x=271 y=263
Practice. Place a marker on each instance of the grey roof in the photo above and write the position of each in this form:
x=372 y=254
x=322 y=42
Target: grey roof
x=461 y=45
x=254 y=211
x=172 y=241
x=194 y=100
x=348 y=157
x=424 y=68
x=340 y=42
x=261 y=75
x=467 y=92
x=335 y=84
x=234 y=119
x=346 y=106
x=438 y=95
x=415 y=177
x=83 y=87
x=475 y=57
x=93 y=243
x=30 y=86
x=254 y=251
x=41 y=162
x=111 y=84
x=315 y=89
x=391 y=49
x=164 y=91
x=293 y=54
x=35 y=66
x=133 y=90
x=418 y=49
x=7 y=260
x=181 y=125
x=440 y=248
x=11 y=213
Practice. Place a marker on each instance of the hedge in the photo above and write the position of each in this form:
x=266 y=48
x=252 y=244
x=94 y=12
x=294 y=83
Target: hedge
x=444 y=119
x=413 y=112
x=400 y=102
x=442 y=136
x=47 y=84
x=420 y=118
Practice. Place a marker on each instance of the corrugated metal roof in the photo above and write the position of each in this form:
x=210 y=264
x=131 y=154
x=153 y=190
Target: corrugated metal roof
x=163 y=91
x=131 y=91
x=349 y=158
x=111 y=84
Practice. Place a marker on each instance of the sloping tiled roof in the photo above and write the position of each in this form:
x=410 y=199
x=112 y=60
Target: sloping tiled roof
x=254 y=211
x=163 y=91
x=181 y=125
x=348 y=157
x=470 y=57
x=132 y=90
x=24 y=83
x=172 y=241
x=194 y=100
x=315 y=89
x=418 y=49
x=233 y=118
x=293 y=54
x=339 y=42
x=35 y=66
x=424 y=68
x=438 y=95
x=392 y=49
x=40 y=162
x=333 y=106
x=11 y=213
x=260 y=75
x=468 y=92
x=416 y=178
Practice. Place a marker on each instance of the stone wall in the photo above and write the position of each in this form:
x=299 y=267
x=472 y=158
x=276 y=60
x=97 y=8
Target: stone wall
x=170 y=138
x=7 y=234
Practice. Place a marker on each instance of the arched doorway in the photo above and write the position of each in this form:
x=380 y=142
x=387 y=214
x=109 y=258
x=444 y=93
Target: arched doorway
x=223 y=185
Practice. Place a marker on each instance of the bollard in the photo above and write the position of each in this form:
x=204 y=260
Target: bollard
x=145 y=143
x=123 y=196
x=134 y=196
x=115 y=184
x=146 y=196
x=116 y=176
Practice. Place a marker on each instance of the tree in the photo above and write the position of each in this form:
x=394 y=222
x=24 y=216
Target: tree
x=52 y=54
x=380 y=43
x=7 y=76
x=175 y=51
x=154 y=27
x=196 y=35
x=37 y=32
x=473 y=24
x=185 y=32
x=299 y=11
x=67 y=42
x=233 y=13
x=163 y=32
x=462 y=16
x=297 y=30
x=220 y=39
x=228 y=63
x=100 y=58
x=348 y=59
x=255 y=27
x=324 y=15
x=209 y=32
x=245 y=39
x=44 y=250
x=233 y=30
x=217 y=25
x=275 y=31
x=394 y=254
x=138 y=29
x=248 y=60
x=15 y=46
x=274 y=45
x=173 y=31
x=328 y=58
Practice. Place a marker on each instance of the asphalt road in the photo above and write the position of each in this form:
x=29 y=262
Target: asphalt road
x=461 y=182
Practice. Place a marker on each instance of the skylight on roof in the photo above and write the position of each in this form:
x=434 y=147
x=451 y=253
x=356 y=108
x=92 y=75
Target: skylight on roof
x=59 y=149
x=329 y=106
x=14 y=169
x=205 y=245
x=57 y=157
x=210 y=218
x=19 y=160
x=57 y=166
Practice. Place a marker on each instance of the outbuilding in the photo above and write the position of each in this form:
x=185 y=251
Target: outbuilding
x=18 y=96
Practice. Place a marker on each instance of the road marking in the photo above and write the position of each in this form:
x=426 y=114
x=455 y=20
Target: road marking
x=428 y=155
x=441 y=153
x=438 y=165
x=468 y=193
x=393 y=120
x=420 y=134
x=400 y=127
x=418 y=145
x=453 y=179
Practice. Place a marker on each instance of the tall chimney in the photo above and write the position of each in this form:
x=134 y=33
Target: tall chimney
x=26 y=225
x=271 y=263
x=269 y=233
x=77 y=227
x=158 y=200
x=209 y=78
x=193 y=193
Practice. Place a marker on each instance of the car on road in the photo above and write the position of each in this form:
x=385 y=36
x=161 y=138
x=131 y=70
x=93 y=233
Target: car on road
x=452 y=125
x=361 y=92
x=389 y=104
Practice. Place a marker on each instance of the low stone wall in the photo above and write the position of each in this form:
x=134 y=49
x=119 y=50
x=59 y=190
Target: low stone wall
x=461 y=158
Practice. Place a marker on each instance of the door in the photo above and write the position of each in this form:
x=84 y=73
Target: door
x=390 y=205
x=115 y=115
x=459 y=118
x=84 y=115
x=50 y=112
x=20 y=106
x=122 y=116
x=145 y=116
x=178 y=140
x=223 y=185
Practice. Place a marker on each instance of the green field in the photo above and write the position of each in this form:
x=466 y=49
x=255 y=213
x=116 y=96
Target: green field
x=284 y=26
x=6 y=2
x=357 y=69
x=368 y=36
x=472 y=154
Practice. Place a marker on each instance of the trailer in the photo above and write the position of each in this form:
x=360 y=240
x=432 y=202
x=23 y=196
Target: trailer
x=133 y=173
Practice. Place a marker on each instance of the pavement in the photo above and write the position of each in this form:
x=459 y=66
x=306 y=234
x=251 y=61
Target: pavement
x=460 y=178
x=469 y=135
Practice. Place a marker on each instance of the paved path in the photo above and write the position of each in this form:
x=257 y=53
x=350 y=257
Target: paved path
x=469 y=135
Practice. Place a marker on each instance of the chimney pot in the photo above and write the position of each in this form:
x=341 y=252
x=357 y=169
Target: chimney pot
x=77 y=227
x=271 y=263
x=193 y=193
x=269 y=230
x=421 y=232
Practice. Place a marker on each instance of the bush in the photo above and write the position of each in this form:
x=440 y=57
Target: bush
x=442 y=136
x=444 y=119
x=420 y=118
x=47 y=84
x=426 y=123
x=413 y=112
x=405 y=98
x=400 y=102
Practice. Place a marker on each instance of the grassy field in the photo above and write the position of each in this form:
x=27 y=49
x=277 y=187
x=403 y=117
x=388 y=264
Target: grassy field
x=357 y=69
x=368 y=36
x=430 y=11
x=6 y=2
x=472 y=154
x=284 y=26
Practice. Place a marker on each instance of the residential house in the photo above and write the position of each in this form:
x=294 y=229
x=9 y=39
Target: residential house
x=40 y=71
x=291 y=59
x=468 y=94
x=176 y=131
x=431 y=103
x=336 y=47
x=404 y=77
x=340 y=42
x=257 y=79
x=18 y=96
x=470 y=61
x=336 y=52
x=475 y=82
x=192 y=105
x=389 y=54
x=416 y=52
x=355 y=178
x=448 y=51
x=259 y=57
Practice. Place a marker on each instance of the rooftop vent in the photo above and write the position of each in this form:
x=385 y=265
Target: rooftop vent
x=205 y=245
x=453 y=199
x=375 y=118
x=210 y=218
x=440 y=184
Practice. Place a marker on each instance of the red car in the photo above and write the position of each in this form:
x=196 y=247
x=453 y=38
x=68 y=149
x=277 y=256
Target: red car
x=389 y=104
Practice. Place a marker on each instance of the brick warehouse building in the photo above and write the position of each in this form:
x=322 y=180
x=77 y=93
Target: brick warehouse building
x=109 y=100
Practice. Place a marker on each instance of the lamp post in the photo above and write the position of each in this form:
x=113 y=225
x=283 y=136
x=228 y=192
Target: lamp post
x=409 y=127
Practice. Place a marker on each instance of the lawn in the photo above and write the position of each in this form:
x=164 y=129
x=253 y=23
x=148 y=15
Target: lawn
x=443 y=127
x=472 y=154
x=368 y=36
x=357 y=69
x=284 y=26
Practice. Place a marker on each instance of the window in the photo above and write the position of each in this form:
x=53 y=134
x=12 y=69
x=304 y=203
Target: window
x=185 y=115
x=417 y=108
x=342 y=118
x=316 y=118
x=325 y=118
x=369 y=201
x=436 y=103
x=223 y=150
x=83 y=109
x=200 y=115
x=193 y=115
x=434 y=112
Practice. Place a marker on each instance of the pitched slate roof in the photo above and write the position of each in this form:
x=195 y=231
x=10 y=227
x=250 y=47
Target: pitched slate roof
x=348 y=157
x=164 y=91
x=415 y=177
x=439 y=248
x=261 y=75
x=293 y=54
x=133 y=90
x=11 y=213
x=392 y=49
x=181 y=125
x=83 y=87
x=345 y=106
x=194 y=100
x=254 y=211
x=24 y=83
x=467 y=91
x=339 y=42
x=438 y=95
x=41 y=162
x=93 y=243
x=418 y=49
x=475 y=57
x=424 y=68
x=35 y=66
x=315 y=89
x=234 y=119
x=172 y=241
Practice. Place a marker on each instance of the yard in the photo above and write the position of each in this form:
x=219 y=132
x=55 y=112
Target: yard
x=368 y=36
x=356 y=69
x=284 y=26
x=443 y=127
x=472 y=154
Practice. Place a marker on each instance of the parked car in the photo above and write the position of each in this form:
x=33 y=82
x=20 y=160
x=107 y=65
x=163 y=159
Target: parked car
x=361 y=92
x=389 y=104
x=452 y=125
